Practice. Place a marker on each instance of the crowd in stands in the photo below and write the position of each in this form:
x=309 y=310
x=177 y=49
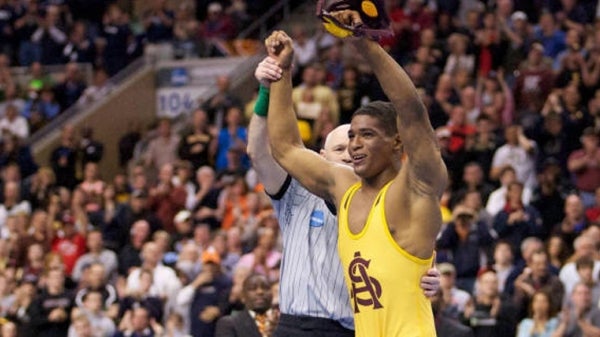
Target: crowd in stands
x=36 y=34
x=513 y=93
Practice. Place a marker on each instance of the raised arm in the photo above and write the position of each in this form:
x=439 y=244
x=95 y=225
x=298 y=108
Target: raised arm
x=270 y=174
x=427 y=172
x=311 y=170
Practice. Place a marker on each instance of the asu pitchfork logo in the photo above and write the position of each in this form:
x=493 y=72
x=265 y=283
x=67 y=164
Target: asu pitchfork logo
x=366 y=290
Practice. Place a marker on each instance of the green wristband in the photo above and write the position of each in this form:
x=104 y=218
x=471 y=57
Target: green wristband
x=261 y=107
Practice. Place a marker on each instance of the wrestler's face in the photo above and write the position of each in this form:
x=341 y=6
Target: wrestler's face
x=371 y=149
x=336 y=146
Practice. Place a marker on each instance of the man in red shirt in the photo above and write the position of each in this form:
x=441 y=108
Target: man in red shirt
x=69 y=244
x=584 y=164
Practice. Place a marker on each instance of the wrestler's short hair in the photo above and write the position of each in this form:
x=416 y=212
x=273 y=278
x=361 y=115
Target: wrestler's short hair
x=384 y=112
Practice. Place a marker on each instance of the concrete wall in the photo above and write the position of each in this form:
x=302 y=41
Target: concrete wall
x=133 y=104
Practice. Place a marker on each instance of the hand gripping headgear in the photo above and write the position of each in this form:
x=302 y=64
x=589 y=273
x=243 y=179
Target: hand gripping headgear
x=375 y=21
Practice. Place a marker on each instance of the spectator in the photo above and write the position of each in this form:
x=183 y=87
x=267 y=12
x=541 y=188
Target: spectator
x=14 y=124
x=92 y=188
x=495 y=99
x=585 y=267
x=541 y=320
x=41 y=185
x=11 y=97
x=138 y=322
x=127 y=144
x=497 y=199
x=481 y=146
x=517 y=35
x=574 y=222
x=25 y=27
x=444 y=325
x=264 y=259
x=70 y=242
x=198 y=145
x=92 y=307
x=166 y=199
x=40 y=108
x=141 y=297
x=183 y=178
x=234 y=203
x=79 y=48
x=257 y=318
x=20 y=311
x=96 y=254
x=465 y=240
x=533 y=84
x=473 y=178
x=205 y=307
x=305 y=46
x=593 y=213
x=351 y=93
x=114 y=39
x=207 y=197
x=455 y=299
x=50 y=311
x=584 y=247
x=582 y=317
x=12 y=204
x=81 y=326
x=185 y=31
x=217 y=105
x=573 y=15
x=552 y=140
x=71 y=88
x=459 y=58
x=557 y=252
x=64 y=159
x=91 y=149
x=129 y=255
x=163 y=149
x=516 y=221
x=165 y=283
x=188 y=260
x=233 y=136
x=487 y=40
x=490 y=314
x=183 y=230
x=15 y=153
x=536 y=277
x=459 y=129
x=503 y=263
x=550 y=36
x=584 y=164
x=218 y=24
x=117 y=230
x=50 y=37
x=158 y=22
x=574 y=114
x=100 y=88
x=311 y=97
x=519 y=152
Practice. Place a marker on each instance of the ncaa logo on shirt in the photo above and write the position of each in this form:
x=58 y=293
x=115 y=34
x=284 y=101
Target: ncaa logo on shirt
x=317 y=218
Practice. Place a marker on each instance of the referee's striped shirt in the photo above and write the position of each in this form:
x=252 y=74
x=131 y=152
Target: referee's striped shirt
x=311 y=282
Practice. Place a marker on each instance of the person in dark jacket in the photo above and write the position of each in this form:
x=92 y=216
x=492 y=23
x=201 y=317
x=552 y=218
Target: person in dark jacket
x=462 y=242
x=257 y=319
x=50 y=312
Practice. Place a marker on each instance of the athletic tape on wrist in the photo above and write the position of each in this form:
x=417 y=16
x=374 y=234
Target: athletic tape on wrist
x=261 y=107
